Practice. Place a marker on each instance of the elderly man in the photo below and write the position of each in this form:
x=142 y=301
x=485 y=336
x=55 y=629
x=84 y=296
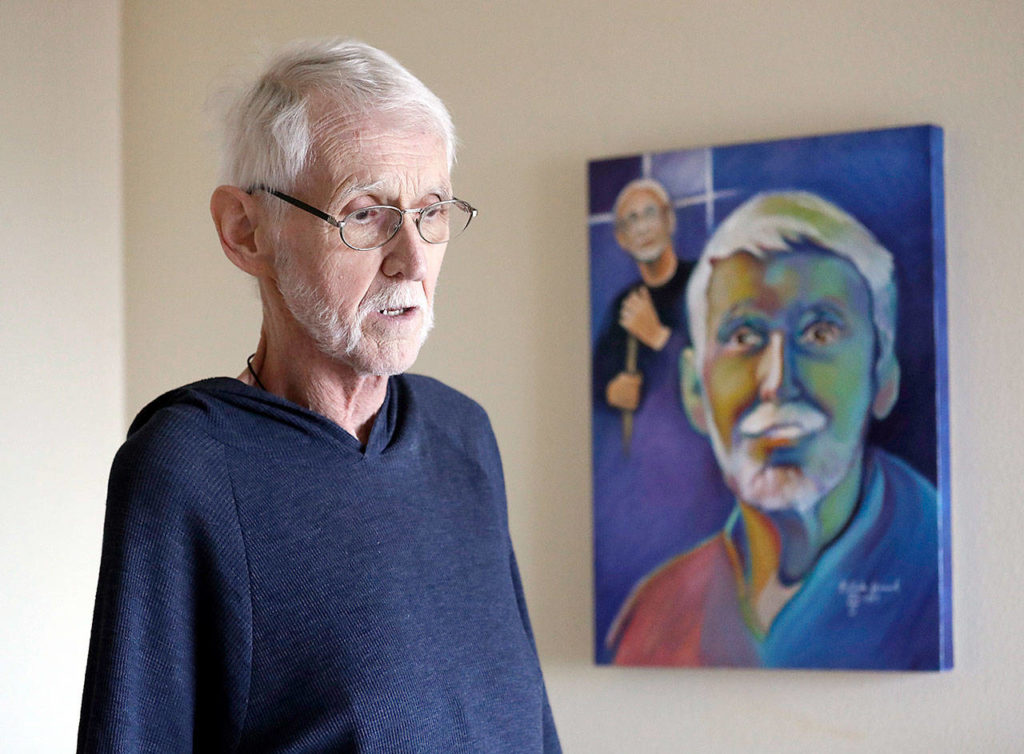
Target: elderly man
x=829 y=558
x=315 y=556
x=651 y=312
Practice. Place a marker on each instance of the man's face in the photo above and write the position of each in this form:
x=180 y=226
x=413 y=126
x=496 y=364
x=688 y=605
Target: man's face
x=369 y=309
x=642 y=225
x=787 y=374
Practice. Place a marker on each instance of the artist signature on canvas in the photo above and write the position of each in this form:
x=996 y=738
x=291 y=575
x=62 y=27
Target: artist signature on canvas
x=859 y=592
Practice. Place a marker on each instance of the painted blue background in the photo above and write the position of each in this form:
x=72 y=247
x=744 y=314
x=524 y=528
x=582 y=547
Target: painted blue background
x=886 y=179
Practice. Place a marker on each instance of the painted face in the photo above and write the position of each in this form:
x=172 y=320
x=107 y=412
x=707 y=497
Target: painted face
x=642 y=225
x=787 y=377
x=369 y=309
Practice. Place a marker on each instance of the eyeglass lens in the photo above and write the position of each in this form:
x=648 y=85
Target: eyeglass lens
x=374 y=226
x=647 y=214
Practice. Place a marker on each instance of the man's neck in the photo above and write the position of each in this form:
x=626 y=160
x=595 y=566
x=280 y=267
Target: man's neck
x=655 y=274
x=291 y=366
x=783 y=546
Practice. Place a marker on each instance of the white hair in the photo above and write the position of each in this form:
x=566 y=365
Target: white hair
x=269 y=132
x=775 y=223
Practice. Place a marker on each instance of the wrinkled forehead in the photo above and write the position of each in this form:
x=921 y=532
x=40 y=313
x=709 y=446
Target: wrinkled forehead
x=330 y=114
x=387 y=150
x=784 y=280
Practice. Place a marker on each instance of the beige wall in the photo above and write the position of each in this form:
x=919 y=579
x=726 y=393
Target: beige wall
x=536 y=90
x=61 y=349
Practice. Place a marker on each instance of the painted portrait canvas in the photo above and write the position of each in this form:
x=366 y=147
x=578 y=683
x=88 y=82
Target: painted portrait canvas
x=770 y=424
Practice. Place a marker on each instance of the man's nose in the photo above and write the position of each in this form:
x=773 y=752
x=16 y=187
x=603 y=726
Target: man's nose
x=775 y=376
x=405 y=255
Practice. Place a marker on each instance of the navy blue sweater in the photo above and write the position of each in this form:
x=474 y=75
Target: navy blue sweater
x=268 y=585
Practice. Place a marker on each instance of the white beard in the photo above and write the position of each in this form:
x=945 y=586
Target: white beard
x=345 y=340
x=780 y=488
x=648 y=254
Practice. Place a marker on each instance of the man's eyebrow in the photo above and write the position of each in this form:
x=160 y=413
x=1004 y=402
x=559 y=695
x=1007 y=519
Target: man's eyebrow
x=741 y=308
x=443 y=191
x=352 y=188
x=828 y=305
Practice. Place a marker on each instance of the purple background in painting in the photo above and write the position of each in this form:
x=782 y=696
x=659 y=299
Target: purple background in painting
x=883 y=178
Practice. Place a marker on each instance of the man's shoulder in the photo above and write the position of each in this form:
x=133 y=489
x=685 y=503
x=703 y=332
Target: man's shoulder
x=184 y=413
x=685 y=578
x=908 y=512
x=230 y=413
x=435 y=398
x=660 y=621
x=902 y=480
x=186 y=419
x=451 y=422
x=194 y=427
x=172 y=464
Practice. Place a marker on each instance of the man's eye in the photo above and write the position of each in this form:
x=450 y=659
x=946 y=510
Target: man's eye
x=363 y=215
x=820 y=334
x=745 y=338
x=434 y=212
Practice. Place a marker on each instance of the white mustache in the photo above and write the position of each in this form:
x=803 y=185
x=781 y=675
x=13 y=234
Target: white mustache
x=786 y=421
x=395 y=297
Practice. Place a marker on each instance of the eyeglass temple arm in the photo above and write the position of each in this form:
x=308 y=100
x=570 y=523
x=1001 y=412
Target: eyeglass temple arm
x=337 y=223
x=300 y=204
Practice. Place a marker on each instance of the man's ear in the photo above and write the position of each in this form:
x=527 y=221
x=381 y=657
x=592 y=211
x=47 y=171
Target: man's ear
x=236 y=216
x=689 y=385
x=888 y=388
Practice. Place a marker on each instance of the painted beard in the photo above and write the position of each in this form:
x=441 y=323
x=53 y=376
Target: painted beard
x=780 y=487
x=346 y=339
x=649 y=252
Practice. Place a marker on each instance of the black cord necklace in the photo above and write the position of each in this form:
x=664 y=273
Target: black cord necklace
x=248 y=363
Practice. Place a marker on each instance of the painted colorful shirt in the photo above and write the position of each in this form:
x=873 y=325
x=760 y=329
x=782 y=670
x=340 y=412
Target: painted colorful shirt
x=870 y=602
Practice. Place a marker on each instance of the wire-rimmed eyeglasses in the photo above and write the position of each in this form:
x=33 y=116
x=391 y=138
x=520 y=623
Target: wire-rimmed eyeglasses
x=646 y=215
x=370 y=228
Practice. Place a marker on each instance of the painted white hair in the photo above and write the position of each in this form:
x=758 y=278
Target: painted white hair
x=775 y=223
x=269 y=135
x=647 y=184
